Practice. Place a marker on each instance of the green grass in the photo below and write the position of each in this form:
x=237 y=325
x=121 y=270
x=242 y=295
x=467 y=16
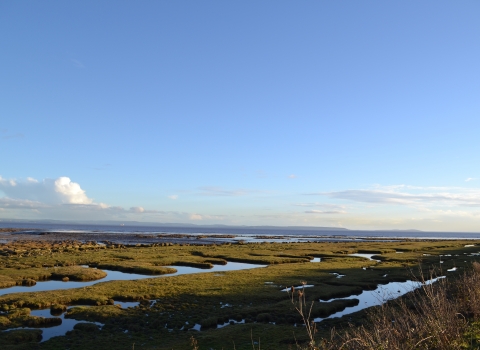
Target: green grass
x=196 y=298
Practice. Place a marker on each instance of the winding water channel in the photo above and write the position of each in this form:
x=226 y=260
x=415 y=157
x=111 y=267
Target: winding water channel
x=379 y=296
x=366 y=299
x=42 y=286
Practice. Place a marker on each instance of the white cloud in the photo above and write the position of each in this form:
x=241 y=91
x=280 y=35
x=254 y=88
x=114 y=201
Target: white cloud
x=323 y=208
x=9 y=203
x=61 y=190
x=316 y=211
x=411 y=196
x=173 y=196
x=196 y=217
x=320 y=205
x=63 y=199
x=137 y=210
x=107 y=209
x=71 y=192
x=470 y=179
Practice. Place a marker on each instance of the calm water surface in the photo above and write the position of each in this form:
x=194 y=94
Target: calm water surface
x=123 y=276
x=376 y=297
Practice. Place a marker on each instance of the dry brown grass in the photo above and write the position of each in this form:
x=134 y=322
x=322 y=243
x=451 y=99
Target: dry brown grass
x=435 y=316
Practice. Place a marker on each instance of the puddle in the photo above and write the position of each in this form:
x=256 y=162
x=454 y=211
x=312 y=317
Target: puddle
x=67 y=323
x=230 y=322
x=60 y=330
x=383 y=293
x=452 y=269
x=366 y=256
x=127 y=304
x=288 y=289
x=271 y=284
x=316 y=260
x=337 y=274
x=469 y=245
x=366 y=299
x=123 y=276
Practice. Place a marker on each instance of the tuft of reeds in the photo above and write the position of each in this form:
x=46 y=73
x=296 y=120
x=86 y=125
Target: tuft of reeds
x=305 y=312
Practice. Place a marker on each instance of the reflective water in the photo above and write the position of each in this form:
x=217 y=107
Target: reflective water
x=127 y=304
x=123 y=276
x=225 y=305
x=67 y=323
x=230 y=322
x=288 y=289
x=378 y=296
x=337 y=234
x=60 y=330
x=367 y=256
x=337 y=274
x=366 y=299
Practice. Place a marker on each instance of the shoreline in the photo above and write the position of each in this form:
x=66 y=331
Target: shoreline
x=133 y=238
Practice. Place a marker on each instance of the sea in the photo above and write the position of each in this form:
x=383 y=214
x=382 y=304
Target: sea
x=235 y=230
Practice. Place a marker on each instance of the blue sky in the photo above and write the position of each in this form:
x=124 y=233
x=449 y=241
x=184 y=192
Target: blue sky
x=359 y=114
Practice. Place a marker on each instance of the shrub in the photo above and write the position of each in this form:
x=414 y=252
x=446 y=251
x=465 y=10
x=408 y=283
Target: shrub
x=210 y=322
x=264 y=318
x=57 y=309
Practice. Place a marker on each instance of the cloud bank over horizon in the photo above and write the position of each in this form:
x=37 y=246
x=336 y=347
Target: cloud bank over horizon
x=377 y=207
x=59 y=198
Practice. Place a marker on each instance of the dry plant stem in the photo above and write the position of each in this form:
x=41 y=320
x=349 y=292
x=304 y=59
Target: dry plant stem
x=253 y=344
x=301 y=308
x=193 y=343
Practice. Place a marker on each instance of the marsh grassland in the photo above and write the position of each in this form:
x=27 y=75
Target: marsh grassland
x=173 y=309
